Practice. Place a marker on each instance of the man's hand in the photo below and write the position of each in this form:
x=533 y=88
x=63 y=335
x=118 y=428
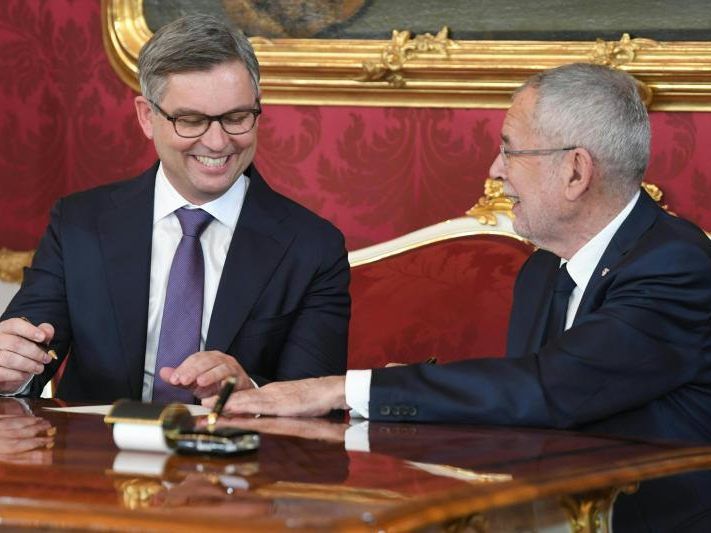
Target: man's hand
x=306 y=428
x=20 y=355
x=305 y=397
x=203 y=373
x=24 y=438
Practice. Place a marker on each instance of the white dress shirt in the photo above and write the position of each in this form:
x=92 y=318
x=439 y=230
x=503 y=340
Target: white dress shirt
x=215 y=241
x=580 y=268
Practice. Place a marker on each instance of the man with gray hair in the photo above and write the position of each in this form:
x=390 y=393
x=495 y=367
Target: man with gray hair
x=610 y=328
x=164 y=286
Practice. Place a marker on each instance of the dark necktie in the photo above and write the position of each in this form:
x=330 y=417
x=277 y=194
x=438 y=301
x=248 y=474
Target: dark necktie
x=182 y=313
x=564 y=285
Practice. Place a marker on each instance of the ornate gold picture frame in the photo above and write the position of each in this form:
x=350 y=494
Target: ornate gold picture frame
x=433 y=70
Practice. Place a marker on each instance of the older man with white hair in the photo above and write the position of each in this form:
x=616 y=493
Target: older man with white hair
x=611 y=322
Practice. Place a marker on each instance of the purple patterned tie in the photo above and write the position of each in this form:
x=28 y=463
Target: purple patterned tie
x=182 y=313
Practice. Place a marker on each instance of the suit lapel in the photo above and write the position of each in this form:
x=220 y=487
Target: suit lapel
x=125 y=233
x=540 y=296
x=627 y=236
x=260 y=240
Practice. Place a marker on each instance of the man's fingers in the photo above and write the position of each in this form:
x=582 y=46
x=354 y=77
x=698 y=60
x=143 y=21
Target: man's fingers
x=23 y=347
x=243 y=402
x=23 y=328
x=23 y=445
x=165 y=373
x=213 y=376
x=194 y=365
x=207 y=369
x=29 y=423
x=48 y=330
x=18 y=366
x=217 y=375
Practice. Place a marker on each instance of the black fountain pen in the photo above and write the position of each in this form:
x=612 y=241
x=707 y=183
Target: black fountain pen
x=225 y=392
x=44 y=347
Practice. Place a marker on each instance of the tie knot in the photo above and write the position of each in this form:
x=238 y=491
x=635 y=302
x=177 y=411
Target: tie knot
x=193 y=221
x=564 y=283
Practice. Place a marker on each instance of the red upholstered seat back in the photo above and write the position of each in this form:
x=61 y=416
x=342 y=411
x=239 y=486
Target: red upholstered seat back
x=450 y=299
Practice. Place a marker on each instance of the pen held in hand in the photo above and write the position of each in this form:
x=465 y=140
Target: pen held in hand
x=46 y=349
x=225 y=392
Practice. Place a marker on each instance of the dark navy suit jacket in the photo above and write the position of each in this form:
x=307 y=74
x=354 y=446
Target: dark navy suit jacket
x=282 y=306
x=636 y=361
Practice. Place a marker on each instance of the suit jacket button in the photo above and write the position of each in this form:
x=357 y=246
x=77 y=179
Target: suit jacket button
x=413 y=411
x=395 y=410
x=385 y=410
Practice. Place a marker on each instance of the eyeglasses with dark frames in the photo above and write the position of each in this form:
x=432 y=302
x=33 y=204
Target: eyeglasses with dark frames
x=506 y=153
x=235 y=122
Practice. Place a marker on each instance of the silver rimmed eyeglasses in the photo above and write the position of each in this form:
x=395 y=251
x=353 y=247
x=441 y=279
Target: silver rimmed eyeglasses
x=506 y=153
x=235 y=122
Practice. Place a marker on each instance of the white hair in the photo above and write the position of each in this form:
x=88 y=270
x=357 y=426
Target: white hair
x=599 y=109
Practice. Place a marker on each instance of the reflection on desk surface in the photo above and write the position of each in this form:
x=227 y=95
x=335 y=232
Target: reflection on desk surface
x=304 y=475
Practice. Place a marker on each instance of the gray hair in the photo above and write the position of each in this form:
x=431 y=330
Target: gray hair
x=599 y=109
x=195 y=42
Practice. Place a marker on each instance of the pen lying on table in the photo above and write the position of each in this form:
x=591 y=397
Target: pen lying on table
x=49 y=351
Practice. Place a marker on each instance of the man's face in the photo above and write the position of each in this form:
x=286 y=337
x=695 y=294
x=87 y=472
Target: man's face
x=202 y=168
x=531 y=181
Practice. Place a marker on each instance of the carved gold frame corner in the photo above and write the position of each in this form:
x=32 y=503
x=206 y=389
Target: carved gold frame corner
x=433 y=70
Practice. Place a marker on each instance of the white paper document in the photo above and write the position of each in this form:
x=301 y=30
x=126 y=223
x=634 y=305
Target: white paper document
x=195 y=410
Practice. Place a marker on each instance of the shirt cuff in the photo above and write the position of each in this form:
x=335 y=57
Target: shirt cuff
x=358 y=392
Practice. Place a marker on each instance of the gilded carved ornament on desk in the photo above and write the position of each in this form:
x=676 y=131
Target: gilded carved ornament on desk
x=592 y=512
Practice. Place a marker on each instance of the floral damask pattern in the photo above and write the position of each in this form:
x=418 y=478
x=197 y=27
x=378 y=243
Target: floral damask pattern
x=66 y=118
x=681 y=163
x=67 y=123
x=450 y=299
x=379 y=172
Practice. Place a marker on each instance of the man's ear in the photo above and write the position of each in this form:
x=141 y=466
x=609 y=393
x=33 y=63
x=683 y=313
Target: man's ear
x=144 y=114
x=580 y=173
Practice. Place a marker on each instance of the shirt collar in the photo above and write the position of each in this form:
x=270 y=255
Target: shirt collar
x=225 y=209
x=583 y=263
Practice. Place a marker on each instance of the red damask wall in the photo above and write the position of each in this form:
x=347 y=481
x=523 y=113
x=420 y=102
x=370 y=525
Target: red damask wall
x=67 y=123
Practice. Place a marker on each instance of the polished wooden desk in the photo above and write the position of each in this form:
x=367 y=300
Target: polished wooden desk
x=63 y=470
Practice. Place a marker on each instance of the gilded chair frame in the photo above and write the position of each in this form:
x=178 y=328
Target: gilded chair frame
x=465 y=226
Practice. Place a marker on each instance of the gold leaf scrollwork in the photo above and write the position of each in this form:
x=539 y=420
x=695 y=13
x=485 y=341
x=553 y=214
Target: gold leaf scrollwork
x=623 y=52
x=12 y=263
x=401 y=49
x=495 y=202
x=656 y=193
x=474 y=523
x=591 y=512
x=138 y=493
x=492 y=203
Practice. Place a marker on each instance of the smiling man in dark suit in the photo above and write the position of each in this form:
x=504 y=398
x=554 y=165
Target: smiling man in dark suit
x=164 y=285
x=611 y=322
